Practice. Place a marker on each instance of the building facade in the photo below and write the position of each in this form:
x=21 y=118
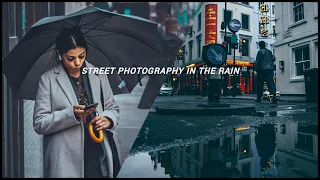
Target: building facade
x=196 y=39
x=296 y=45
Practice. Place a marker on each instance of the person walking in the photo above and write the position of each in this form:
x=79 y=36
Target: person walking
x=263 y=69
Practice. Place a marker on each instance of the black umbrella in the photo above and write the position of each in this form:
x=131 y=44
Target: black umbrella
x=114 y=40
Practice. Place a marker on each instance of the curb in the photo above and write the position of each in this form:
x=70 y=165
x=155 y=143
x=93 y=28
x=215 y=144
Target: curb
x=295 y=101
x=222 y=111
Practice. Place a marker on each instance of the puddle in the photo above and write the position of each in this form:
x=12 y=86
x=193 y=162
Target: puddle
x=268 y=151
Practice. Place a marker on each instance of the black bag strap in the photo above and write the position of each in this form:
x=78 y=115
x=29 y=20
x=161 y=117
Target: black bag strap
x=115 y=155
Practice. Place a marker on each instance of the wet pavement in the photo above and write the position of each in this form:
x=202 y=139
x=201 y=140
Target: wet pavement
x=278 y=143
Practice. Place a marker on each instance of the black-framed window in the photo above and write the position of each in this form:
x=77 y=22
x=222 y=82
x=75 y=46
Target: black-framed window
x=199 y=40
x=298 y=11
x=245 y=47
x=184 y=53
x=245 y=21
x=199 y=22
x=191 y=31
x=190 y=50
x=302 y=59
x=228 y=16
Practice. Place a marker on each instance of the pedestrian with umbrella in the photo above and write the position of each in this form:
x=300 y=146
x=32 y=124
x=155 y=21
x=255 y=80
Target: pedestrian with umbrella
x=88 y=38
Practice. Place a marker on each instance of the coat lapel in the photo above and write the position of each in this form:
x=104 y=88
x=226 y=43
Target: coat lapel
x=95 y=84
x=65 y=84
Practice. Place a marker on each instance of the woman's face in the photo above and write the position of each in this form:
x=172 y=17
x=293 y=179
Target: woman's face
x=74 y=58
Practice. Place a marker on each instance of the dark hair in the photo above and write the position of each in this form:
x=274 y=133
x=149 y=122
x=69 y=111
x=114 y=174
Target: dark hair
x=70 y=38
x=262 y=44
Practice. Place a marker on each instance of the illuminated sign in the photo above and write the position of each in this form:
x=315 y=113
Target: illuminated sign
x=240 y=63
x=264 y=8
x=211 y=24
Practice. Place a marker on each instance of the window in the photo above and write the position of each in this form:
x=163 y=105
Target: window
x=247 y=3
x=228 y=16
x=190 y=32
x=298 y=11
x=199 y=22
x=305 y=142
x=199 y=45
x=302 y=59
x=245 y=47
x=272 y=9
x=190 y=50
x=245 y=21
x=274 y=31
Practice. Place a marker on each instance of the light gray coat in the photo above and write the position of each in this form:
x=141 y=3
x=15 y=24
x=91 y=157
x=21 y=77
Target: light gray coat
x=63 y=135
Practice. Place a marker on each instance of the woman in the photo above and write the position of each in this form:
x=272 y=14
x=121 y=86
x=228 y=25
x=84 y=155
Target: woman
x=59 y=114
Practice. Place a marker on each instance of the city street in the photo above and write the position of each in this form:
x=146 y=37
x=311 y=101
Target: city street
x=162 y=133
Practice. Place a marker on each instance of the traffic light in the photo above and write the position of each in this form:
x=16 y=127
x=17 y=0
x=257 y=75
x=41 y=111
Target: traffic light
x=240 y=45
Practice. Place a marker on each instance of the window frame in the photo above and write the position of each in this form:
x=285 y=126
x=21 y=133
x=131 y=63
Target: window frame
x=199 y=21
x=243 y=14
x=303 y=61
x=230 y=16
x=190 y=44
x=199 y=45
x=293 y=12
x=248 y=42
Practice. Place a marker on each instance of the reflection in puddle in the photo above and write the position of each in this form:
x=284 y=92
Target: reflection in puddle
x=269 y=151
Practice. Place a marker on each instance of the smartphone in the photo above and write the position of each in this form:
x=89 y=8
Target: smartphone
x=91 y=106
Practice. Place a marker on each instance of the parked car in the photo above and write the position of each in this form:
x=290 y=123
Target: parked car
x=166 y=89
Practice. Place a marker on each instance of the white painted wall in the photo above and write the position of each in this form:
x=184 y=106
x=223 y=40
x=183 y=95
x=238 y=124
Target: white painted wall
x=303 y=32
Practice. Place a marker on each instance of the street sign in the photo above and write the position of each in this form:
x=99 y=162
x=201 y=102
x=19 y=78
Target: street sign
x=234 y=25
x=214 y=54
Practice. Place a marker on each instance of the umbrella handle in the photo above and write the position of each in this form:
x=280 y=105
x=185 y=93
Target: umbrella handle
x=93 y=136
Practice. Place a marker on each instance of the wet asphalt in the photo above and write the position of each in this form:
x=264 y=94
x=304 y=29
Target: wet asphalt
x=162 y=133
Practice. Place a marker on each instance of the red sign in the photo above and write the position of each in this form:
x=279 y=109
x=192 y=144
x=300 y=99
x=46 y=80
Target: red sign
x=211 y=23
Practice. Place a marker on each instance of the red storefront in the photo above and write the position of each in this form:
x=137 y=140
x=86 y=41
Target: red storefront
x=244 y=79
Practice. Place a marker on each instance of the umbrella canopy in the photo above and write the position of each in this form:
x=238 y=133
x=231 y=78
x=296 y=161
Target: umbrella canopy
x=114 y=40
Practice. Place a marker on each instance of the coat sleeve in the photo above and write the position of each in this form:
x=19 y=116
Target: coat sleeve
x=44 y=120
x=111 y=109
x=257 y=62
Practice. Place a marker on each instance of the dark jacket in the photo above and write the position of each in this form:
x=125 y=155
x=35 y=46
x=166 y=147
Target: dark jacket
x=264 y=60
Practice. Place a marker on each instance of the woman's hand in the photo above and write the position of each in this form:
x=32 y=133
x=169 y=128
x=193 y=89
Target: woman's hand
x=101 y=122
x=80 y=112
